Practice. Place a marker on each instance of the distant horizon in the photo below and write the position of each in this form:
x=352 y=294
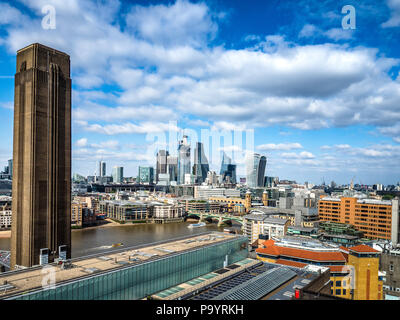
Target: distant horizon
x=321 y=95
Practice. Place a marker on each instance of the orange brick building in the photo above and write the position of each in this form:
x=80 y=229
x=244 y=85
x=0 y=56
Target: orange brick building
x=372 y=217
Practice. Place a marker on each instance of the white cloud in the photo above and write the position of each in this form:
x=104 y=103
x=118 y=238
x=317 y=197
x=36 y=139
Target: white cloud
x=308 y=30
x=394 y=20
x=280 y=146
x=129 y=128
x=181 y=23
x=339 y=34
x=81 y=142
x=301 y=155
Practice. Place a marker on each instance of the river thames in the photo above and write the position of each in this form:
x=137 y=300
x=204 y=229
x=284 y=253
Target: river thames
x=100 y=239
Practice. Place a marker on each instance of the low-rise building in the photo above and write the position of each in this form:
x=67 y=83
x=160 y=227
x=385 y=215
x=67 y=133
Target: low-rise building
x=82 y=215
x=261 y=226
x=5 y=219
x=167 y=211
x=354 y=271
x=390 y=265
x=124 y=211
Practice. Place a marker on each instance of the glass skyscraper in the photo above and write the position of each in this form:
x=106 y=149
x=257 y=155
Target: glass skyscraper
x=255 y=170
x=183 y=159
x=118 y=174
x=228 y=169
x=201 y=167
x=161 y=167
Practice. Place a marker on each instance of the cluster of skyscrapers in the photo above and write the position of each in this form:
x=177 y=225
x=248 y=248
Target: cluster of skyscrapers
x=178 y=170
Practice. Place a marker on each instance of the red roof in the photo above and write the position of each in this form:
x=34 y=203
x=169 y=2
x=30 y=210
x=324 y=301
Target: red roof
x=291 y=263
x=302 y=253
x=271 y=251
x=333 y=269
x=268 y=243
x=362 y=248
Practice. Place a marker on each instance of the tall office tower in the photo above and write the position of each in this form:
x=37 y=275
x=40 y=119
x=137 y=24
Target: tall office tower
x=161 y=167
x=10 y=168
x=172 y=168
x=42 y=156
x=118 y=174
x=183 y=159
x=101 y=169
x=255 y=170
x=200 y=167
x=224 y=164
x=228 y=169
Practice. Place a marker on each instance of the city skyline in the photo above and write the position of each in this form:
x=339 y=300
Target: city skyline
x=238 y=67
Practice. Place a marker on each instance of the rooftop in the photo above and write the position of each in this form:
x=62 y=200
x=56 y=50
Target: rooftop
x=30 y=279
x=362 y=248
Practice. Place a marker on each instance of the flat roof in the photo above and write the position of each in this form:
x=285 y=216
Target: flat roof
x=30 y=279
x=265 y=281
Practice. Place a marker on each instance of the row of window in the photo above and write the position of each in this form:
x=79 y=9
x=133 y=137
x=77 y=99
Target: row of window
x=339 y=292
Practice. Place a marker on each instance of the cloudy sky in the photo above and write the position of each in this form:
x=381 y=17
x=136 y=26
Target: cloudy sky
x=324 y=102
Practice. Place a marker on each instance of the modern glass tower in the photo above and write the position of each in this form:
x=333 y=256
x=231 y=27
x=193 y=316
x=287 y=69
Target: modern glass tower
x=200 y=167
x=255 y=170
x=183 y=159
x=118 y=174
x=161 y=167
x=172 y=168
x=228 y=169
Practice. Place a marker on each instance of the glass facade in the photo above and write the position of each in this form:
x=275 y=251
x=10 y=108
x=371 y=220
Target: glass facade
x=139 y=281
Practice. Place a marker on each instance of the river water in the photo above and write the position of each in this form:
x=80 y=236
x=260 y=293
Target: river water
x=96 y=240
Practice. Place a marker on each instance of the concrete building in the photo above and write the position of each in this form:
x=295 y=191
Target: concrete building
x=41 y=155
x=5 y=219
x=206 y=192
x=212 y=178
x=82 y=215
x=199 y=206
x=390 y=265
x=124 y=211
x=258 y=226
x=167 y=211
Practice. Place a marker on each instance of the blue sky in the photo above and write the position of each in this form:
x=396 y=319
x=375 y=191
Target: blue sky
x=324 y=102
